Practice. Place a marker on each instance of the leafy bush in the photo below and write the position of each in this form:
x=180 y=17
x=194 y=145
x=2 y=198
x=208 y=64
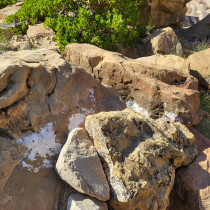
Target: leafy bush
x=103 y=23
x=4 y=3
x=201 y=45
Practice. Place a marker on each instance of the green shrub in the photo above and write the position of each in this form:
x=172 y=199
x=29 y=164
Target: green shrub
x=201 y=45
x=5 y=40
x=4 y=3
x=102 y=23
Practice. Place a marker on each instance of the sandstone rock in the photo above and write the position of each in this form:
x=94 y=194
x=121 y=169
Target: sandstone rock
x=161 y=90
x=79 y=165
x=42 y=99
x=162 y=13
x=164 y=41
x=9 y=10
x=78 y=201
x=139 y=156
x=200 y=66
x=192 y=183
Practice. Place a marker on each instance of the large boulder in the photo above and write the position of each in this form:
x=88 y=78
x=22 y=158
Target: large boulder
x=79 y=165
x=164 y=41
x=78 y=201
x=160 y=89
x=42 y=98
x=162 y=13
x=200 y=66
x=139 y=156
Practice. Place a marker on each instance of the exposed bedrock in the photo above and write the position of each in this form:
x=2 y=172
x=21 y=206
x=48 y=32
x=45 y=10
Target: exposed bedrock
x=42 y=98
x=161 y=86
x=139 y=156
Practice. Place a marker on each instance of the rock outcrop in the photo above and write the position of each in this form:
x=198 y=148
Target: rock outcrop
x=162 y=13
x=79 y=165
x=78 y=201
x=159 y=90
x=42 y=98
x=139 y=156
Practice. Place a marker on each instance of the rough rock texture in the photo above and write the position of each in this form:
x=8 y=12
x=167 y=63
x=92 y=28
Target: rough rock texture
x=164 y=41
x=78 y=201
x=200 y=66
x=42 y=98
x=139 y=156
x=158 y=90
x=162 y=13
x=192 y=183
x=79 y=165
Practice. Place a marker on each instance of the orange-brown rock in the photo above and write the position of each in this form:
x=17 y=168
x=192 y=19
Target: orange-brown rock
x=160 y=90
x=42 y=98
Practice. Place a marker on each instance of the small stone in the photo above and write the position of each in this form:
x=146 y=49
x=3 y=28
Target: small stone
x=78 y=201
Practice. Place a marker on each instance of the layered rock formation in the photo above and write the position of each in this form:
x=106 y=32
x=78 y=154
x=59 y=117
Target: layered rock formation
x=139 y=156
x=162 y=13
x=42 y=98
x=159 y=90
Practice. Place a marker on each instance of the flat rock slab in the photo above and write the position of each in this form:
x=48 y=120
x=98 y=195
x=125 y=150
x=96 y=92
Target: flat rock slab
x=78 y=201
x=79 y=165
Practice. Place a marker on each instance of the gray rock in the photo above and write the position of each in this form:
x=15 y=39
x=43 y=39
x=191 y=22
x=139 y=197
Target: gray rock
x=79 y=165
x=78 y=201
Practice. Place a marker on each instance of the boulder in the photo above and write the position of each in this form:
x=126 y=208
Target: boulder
x=42 y=99
x=139 y=156
x=79 y=165
x=78 y=201
x=162 y=13
x=164 y=41
x=160 y=89
x=192 y=183
x=200 y=66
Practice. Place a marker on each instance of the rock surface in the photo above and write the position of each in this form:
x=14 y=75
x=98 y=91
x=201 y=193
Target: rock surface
x=42 y=98
x=200 y=66
x=78 y=201
x=139 y=156
x=159 y=90
x=164 y=41
x=162 y=13
x=79 y=165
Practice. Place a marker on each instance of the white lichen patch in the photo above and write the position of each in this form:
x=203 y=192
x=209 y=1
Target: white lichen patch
x=135 y=107
x=40 y=144
x=75 y=121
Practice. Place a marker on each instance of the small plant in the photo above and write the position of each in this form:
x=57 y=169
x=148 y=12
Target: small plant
x=201 y=45
x=5 y=39
x=4 y=3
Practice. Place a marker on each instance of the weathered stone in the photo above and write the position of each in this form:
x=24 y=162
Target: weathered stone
x=42 y=99
x=78 y=201
x=139 y=156
x=162 y=13
x=200 y=66
x=79 y=165
x=160 y=90
x=164 y=41
x=192 y=183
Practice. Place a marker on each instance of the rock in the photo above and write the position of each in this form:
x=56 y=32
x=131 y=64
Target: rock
x=43 y=98
x=79 y=165
x=164 y=41
x=162 y=13
x=7 y=11
x=19 y=42
x=192 y=183
x=199 y=66
x=139 y=156
x=78 y=201
x=160 y=89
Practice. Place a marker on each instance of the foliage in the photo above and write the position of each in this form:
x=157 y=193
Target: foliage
x=5 y=40
x=4 y=3
x=201 y=45
x=104 y=23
